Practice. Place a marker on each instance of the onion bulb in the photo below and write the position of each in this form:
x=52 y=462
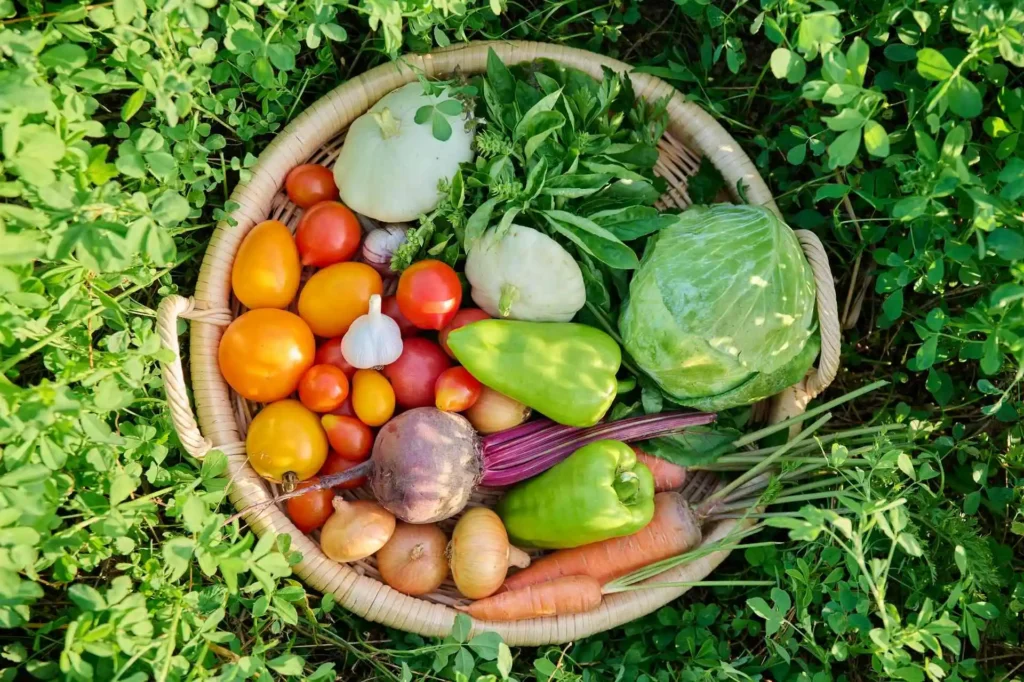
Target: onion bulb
x=356 y=530
x=413 y=561
x=480 y=553
x=493 y=412
x=380 y=244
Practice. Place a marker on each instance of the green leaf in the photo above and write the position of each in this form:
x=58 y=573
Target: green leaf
x=478 y=223
x=170 y=208
x=504 y=661
x=909 y=544
x=543 y=106
x=844 y=148
x=461 y=628
x=789 y=65
x=932 y=65
x=876 y=140
x=334 y=32
x=281 y=57
x=245 y=40
x=485 y=645
x=892 y=306
x=177 y=553
x=262 y=72
x=450 y=107
x=831 y=191
x=19 y=248
x=964 y=98
x=65 y=56
x=125 y=11
x=441 y=128
x=423 y=114
x=87 y=598
x=847 y=119
x=840 y=93
x=287 y=664
x=593 y=239
x=857 y=60
x=900 y=53
x=499 y=78
x=818 y=32
x=132 y=105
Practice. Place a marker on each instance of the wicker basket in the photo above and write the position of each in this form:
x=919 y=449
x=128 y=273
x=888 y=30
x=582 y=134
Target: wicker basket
x=316 y=136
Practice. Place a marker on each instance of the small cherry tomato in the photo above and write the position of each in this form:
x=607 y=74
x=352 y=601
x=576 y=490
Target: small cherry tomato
x=311 y=510
x=310 y=184
x=323 y=388
x=264 y=353
x=389 y=306
x=373 y=399
x=266 y=271
x=329 y=353
x=334 y=297
x=415 y=372
x=328 y=233
x=349 y=437
x=429 y=294
x=461 y=319
x=456 y=390
x=286 y=441
x=335 y=464
x=346 y=409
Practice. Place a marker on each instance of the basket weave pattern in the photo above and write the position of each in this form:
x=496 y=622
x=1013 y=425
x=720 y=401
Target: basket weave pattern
x=316 y=136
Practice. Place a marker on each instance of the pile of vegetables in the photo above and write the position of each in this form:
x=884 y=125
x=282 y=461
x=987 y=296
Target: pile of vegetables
x=533 y=193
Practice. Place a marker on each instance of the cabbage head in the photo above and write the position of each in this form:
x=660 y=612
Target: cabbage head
x=721 y=310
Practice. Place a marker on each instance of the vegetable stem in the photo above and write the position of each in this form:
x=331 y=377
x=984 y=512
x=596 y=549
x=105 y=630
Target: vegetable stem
x=800 y=419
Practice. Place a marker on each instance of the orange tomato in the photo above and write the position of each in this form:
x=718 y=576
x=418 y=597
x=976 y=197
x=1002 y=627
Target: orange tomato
x=323 y=388
x=373 y=399
x=266 y=270
x=311 y=510
x=285 y=440
x=335 y=464
x=334 y=297
x=264 y=353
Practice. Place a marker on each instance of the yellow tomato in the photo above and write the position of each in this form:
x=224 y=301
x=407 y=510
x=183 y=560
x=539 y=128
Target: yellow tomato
x=286 y=440
x=266 y=270
x=334 y=297
x=264 y=353
x=373 y=399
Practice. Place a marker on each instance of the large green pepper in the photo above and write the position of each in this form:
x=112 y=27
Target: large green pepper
x=564 y=371
x=599 y=492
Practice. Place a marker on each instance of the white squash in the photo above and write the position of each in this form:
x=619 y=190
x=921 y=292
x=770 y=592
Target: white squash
x=390 y=166
x=525 y=275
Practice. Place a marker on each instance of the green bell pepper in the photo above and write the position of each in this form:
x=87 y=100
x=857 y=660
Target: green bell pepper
x=598 y=492
x=563 y=370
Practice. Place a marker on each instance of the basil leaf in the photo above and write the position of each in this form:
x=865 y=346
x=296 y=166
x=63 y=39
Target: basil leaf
x=594 y=239
x=575 y=185
x=535 y=178
x=632 y=222
x=543 y=106
x=500 y=79
x=478 y=222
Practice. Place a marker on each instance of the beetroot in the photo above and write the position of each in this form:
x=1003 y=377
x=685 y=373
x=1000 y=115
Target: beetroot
x=426 y=462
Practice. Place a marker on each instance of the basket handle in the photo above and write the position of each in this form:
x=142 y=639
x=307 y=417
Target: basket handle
x=828 y=315
x=167 y=314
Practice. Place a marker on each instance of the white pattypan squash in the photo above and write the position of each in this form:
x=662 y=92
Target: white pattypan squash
x=390 y=165
x=525 y=275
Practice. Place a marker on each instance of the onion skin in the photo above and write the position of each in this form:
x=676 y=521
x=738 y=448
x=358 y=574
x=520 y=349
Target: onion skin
x=356 y=530
x=493 y=412
x=480 y=553
x=413 y=560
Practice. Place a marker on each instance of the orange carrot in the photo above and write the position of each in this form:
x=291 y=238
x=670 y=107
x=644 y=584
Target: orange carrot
x=674 y=529
x=667 y=476
x=559 y=597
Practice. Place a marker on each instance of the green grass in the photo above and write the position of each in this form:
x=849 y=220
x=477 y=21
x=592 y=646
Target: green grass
x=892 y=130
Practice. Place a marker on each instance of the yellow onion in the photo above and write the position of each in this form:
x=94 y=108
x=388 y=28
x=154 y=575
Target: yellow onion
x=480 y=553
x=493 y=412
x=413 y=561
x=355 y=530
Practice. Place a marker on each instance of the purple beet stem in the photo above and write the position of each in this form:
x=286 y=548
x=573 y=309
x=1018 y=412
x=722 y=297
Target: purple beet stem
x=512 y=459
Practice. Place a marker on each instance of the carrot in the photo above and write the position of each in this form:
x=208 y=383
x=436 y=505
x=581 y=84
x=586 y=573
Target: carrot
x=559 y=597
x=674 y=529
x=667 y=476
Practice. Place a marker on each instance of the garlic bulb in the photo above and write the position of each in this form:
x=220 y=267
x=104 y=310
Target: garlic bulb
x=373 y=340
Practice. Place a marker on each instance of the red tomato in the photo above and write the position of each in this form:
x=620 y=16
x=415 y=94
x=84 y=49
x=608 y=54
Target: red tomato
x=323 y=388
x=461 y=319
x=389 y=306
x=349 y=437
x=328 y=233
x=335 y=464
x=310 y=184
x=456 y=390
x=346 y=409
x=310 y=511
x=329 y=353
x=415 y=372
x=429 y=293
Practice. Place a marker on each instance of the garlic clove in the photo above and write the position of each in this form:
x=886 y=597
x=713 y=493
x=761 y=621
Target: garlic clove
x=373 y=340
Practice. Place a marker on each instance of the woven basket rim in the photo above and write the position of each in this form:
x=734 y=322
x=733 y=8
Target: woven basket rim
x=218 y=409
